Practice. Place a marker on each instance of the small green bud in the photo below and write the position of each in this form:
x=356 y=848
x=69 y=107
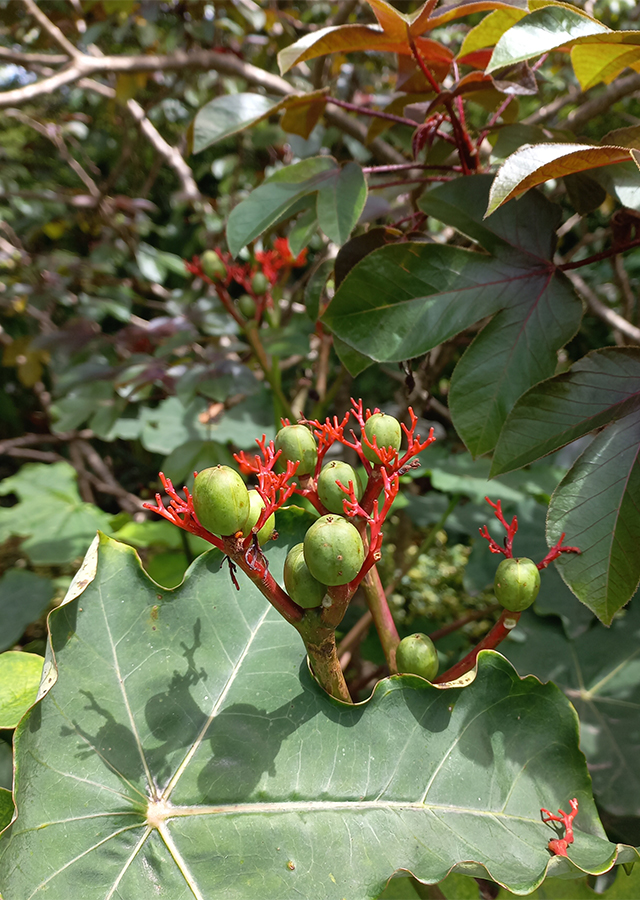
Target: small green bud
x=212 y=265
x=517 y=583
x=221 y=500
x=386 y=431
x=259 y=283
x=297 y=445
x=256 y=505
x=333 y=550
x=331 y=496
x=301 y=586
x=417 y=655
x=247 y=306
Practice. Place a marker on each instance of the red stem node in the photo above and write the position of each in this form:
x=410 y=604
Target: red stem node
x=558 y=846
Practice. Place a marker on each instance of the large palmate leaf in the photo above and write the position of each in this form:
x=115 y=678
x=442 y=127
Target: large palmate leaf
x=599 y=670
x=602 y=386
x=57 y=526
x=183 y=750
x=537 y=163
x=401 y=300
x=596 y=504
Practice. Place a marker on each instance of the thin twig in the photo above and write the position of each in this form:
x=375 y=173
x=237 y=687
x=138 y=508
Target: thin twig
x=598 y=308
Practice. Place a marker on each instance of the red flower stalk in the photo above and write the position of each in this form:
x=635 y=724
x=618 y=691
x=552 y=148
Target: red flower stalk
x=390 y=460
x=181 y=512
x=511 y=529
x=558 y=846
x=555 y=552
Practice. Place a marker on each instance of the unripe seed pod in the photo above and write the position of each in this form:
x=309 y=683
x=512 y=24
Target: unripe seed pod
x=333 y=550
x=256 y=505
x=331 y=496
x=417 y=655
x=301 y=586
x=297 y=445
x=212 y=265
x=247 y=306
x=517 y=583
x=221 y=500
x=386 y=431
x=259 y=283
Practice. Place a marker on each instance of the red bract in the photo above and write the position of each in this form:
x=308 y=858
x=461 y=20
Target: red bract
x=390 y=460
x=511 y=529
x=558 y=846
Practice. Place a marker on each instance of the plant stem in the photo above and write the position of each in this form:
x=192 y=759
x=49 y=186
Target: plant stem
x=463 y=620
x=382 y=618
x=326 y=666
x=367 y=111
x=505 y=624
x=613 y=251
x=251 y=332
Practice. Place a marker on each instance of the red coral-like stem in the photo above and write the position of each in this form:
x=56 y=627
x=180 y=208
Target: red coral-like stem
x=558 y=846
x=505 y=624
x=555 y=552
x=181 y=512
x=510 y=527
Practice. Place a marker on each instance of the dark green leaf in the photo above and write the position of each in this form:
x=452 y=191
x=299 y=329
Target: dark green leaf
x=599 y=388
x=200 y=755
x=340 y=203
x=596 y=505
x=315 y=288
x=24 y=596
x=229 y=114
x=599 y=670
x=274 y=197
x=6 y=808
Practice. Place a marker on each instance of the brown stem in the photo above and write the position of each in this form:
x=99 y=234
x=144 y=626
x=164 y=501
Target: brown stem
x=326 y=666
x=251 y=332
x=505 y=624
x=463 y=620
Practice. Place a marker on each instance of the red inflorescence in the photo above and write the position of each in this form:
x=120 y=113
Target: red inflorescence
x=558 y=846
x=181 y=512
x=511 y=529
x=272 y=261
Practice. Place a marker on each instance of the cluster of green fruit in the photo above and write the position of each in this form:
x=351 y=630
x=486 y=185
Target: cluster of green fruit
x=333 y=551
x=215 y=269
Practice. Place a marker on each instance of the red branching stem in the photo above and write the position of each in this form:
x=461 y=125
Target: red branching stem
x=505 y=624
x=429 y=179
x=423 y=66
x=181 y=512
x=555 y=552
x=327 y=433
x=613 y=251
x=511 y=529
x=402 y=167
x=558 y=846
x=377 y=113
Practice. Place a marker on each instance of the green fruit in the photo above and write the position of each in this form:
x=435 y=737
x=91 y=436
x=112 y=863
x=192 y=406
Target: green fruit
x=212 y=265
x=417 y=655
x=259 y=283
x=247 y=306
x=221 y=500
x=297 y=445
x=330 y=494
x=517 y=583
x=256 y=505
x=333 y=550
x=301 y=586
x=386 y=431
x=272 y=316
